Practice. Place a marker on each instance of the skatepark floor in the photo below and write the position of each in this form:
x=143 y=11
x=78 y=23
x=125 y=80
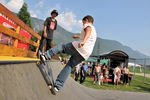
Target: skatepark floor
x=24 y=81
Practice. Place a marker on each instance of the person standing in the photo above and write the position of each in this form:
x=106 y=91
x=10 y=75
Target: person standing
x=50 y=26
x=97 y=71
x=125 y=76
x=117 y=75
x=83 y=73
x=77 y=72
x=79 y=50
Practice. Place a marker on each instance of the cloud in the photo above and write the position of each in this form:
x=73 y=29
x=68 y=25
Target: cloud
x=40 y=4
x=2 y=1
x=13 y=5
x=32 y=13
x=69 y=22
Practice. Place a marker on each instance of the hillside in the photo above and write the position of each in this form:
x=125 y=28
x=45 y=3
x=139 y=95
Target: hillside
x=102 y=45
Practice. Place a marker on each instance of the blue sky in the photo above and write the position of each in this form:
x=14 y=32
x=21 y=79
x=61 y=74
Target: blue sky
x=126 y=21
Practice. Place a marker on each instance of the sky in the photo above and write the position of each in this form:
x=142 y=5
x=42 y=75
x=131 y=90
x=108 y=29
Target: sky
x=126 y=21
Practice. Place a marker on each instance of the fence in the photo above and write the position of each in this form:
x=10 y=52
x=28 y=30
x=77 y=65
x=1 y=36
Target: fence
x=16 y=36
x=140 y=68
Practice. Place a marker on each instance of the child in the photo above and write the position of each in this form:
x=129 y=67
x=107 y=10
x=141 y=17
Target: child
x=117 y=74
x=79 y=50
x=97 y=74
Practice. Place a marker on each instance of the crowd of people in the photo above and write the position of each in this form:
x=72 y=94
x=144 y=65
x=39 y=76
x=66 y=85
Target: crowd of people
x=101 y=74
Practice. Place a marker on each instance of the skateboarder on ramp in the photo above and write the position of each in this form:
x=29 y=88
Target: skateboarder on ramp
x=79 y=50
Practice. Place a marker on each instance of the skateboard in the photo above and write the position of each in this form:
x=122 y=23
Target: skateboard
x=46 y=72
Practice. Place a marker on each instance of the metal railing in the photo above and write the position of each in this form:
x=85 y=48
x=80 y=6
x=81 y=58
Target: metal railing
x=140 y=68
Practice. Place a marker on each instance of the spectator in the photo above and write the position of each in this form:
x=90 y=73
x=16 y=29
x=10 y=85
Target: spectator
x=117 y=74
x=97 y=71
x=90 y=67
x=77 y=72
x=83 y=73
x=105 y=73
x=125 y=75
x=93 y=67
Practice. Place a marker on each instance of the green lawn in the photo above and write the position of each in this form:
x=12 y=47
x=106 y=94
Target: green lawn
x=141 y=78
x=137 y=70
x=136 y=85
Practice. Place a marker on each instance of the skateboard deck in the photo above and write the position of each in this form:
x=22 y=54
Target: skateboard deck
x=46 y=72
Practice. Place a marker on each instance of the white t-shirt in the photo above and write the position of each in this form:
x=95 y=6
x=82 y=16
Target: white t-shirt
x=87 y=48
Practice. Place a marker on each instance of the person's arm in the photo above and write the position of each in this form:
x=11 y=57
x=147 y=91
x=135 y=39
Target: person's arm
x=128 y=71
x=55 y=25
x=45 y=27
x=87 y=35
x=45 y=34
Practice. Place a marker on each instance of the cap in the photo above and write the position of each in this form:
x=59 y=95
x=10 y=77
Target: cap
x=55 y=11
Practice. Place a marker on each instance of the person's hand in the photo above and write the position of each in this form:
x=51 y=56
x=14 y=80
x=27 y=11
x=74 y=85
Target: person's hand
x=81 y=44
x=45 y=35
x=75 y=36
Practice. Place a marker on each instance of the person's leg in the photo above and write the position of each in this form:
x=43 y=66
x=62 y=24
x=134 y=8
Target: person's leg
x=61 y=48
x=42 y=44
x=81 y=77
x=98 y=78
x=74 y=60
x=84 y=77
x=115 y=80
x=126 y=79
x=49 y=44
x=95 y=77
x=76 y=76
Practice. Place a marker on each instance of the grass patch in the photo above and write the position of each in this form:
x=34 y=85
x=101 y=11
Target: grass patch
x=137 y=70
x=141 y=78
x=136 y=85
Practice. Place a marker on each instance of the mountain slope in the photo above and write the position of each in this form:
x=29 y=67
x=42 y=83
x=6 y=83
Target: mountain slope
x=104 y=46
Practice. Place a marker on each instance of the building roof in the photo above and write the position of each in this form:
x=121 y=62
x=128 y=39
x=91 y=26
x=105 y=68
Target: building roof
x=117 y=54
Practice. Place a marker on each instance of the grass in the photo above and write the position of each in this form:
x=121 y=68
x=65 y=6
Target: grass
x=137 y=70
x=136 y=85
x=141 y=78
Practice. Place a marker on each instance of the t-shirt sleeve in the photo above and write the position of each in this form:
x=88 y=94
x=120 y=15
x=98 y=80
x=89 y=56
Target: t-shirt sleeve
x=85 y=25
x=46 y=22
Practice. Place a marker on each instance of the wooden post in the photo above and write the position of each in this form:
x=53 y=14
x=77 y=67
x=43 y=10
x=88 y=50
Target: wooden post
x=16 y=40
x=37 y=48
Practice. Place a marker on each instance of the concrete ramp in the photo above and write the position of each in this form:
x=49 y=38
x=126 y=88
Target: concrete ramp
x=24 y=82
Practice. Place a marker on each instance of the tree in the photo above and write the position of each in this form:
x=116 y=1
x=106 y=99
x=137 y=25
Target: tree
x=24 y=15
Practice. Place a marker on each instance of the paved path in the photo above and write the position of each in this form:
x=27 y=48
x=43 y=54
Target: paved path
x=25 y=82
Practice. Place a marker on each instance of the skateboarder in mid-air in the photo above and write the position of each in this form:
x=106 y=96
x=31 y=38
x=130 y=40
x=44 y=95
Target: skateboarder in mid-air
x=79 y=50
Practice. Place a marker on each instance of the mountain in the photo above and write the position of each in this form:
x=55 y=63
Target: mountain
x=102 y=45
